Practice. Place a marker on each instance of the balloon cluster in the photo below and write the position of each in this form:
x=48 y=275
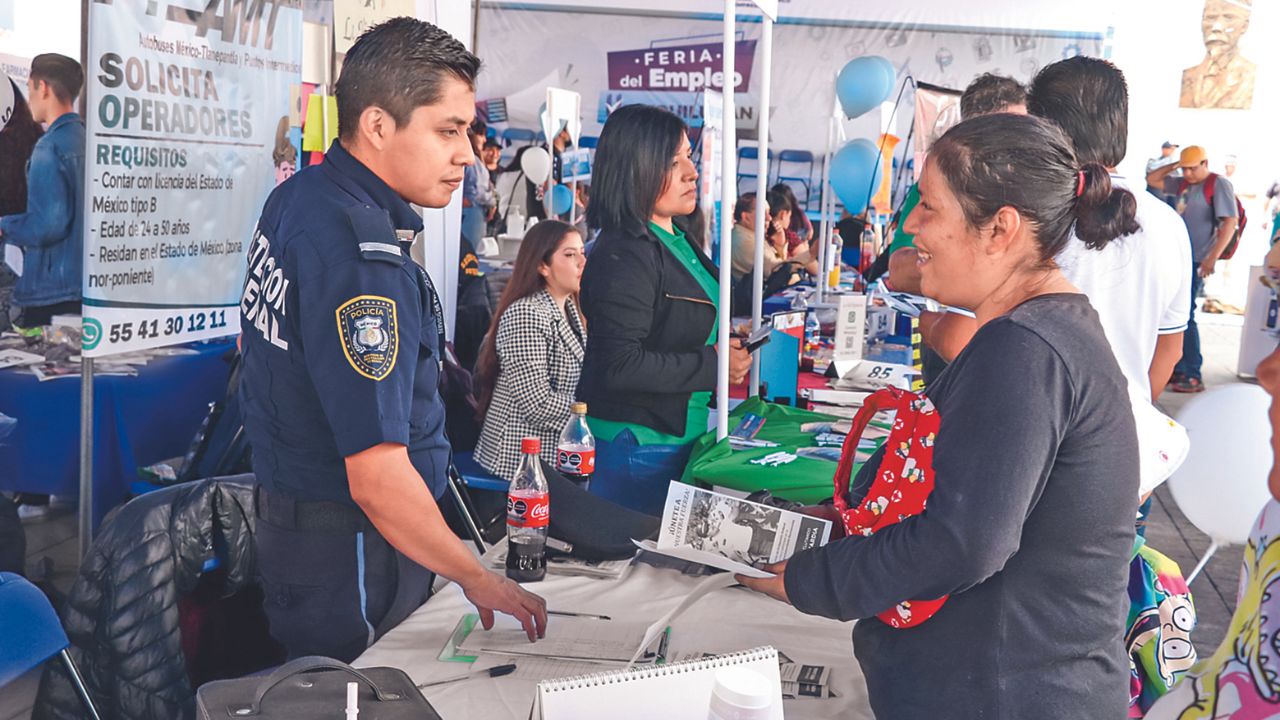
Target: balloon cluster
x=862 y=85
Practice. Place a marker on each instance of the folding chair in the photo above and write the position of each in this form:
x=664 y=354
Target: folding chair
x=466 y=473
x=33 y=634
x=518 y=136
x=797 y=157
x=751 y=153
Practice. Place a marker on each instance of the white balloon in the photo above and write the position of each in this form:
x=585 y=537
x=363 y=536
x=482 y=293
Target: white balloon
x=6 y=100
x=1222 y=486
x=536 y=164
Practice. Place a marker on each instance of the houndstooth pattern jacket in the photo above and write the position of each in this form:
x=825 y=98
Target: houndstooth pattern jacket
x=539 y=359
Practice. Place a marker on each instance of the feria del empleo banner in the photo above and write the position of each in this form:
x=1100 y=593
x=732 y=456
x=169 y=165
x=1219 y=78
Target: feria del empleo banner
x=183 y=111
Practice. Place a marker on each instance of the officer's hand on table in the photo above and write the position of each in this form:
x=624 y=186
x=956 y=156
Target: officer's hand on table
x=492 y=591
x=774 y=587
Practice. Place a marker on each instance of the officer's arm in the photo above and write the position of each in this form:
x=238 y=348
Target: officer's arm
x=390 y=491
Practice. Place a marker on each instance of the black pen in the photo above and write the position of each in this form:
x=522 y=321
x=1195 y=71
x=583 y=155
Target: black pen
x=574 y=614
x=492 y=672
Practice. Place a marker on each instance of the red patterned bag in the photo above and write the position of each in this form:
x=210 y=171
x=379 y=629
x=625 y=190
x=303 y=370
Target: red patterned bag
x=901 y=485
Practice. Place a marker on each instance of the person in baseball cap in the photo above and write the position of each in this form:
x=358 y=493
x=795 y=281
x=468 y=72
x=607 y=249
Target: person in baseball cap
x=1161 y=168
x=1207 y=203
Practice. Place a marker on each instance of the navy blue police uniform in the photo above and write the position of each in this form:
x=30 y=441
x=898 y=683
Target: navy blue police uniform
x=341 y=337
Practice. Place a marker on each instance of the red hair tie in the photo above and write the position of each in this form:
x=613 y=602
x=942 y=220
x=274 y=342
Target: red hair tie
x=1079 y=183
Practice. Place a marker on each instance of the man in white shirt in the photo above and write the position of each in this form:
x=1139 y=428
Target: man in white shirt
x=1141 y=290
x=1138 y=284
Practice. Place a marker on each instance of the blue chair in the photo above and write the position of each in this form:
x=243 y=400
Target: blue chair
x=518 y=136
x=751 y=153
x=32 y=634
x=475 y=476
x=797 y=158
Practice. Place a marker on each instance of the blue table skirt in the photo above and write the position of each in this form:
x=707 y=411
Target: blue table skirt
x=137 y=421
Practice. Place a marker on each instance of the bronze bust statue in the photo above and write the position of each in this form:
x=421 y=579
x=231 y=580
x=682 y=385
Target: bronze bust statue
x=1224 y=79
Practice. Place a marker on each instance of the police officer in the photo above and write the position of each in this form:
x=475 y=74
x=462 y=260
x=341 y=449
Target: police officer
x=342 y=338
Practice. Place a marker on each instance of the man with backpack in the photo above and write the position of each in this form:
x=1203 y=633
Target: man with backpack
x=1214 y=217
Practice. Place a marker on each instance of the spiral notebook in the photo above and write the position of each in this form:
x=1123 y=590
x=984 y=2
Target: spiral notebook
x=673 y=692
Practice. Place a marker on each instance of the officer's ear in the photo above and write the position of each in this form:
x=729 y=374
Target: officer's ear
x=376 y=127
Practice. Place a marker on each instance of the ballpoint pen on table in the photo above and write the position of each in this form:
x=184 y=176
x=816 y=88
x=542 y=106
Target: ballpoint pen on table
x=492 y=672
x=566 y=613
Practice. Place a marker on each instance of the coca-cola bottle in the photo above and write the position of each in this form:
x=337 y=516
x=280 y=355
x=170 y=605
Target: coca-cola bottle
x=576 y=452
x=528 y=517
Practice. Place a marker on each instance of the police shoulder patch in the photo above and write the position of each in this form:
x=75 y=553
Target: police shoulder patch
x=370 y=334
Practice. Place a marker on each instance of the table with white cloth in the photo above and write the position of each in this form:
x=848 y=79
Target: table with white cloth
x=723 y=621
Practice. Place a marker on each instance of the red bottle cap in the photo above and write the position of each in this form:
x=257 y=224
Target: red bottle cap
x=530 y=445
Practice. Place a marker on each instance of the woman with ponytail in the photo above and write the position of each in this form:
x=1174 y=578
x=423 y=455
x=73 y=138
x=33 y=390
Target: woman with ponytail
x=1035 y=463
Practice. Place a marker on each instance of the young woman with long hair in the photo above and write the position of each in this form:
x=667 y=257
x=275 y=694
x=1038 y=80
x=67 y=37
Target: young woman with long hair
x=528 y=367
x=650 y=295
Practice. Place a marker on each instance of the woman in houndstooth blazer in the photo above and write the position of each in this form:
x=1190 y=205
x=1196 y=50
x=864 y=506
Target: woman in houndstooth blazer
x=529 y=363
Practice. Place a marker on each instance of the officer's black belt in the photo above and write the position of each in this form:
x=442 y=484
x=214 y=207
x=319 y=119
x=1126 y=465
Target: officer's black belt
x=290 y=513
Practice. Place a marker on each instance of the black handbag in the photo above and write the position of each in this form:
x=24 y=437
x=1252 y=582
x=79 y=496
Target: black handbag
x=314 y=687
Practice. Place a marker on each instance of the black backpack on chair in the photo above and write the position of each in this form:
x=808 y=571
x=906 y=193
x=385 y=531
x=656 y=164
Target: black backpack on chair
x=220 y=447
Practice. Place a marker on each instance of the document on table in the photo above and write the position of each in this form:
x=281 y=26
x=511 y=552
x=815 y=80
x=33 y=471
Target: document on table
x=568 y=638
x=659 y=626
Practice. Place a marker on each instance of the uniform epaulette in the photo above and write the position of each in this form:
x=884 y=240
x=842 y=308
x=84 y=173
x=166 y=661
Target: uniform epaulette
x=375 y=233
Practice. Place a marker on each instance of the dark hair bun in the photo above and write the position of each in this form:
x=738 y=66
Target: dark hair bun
x=1104 y=212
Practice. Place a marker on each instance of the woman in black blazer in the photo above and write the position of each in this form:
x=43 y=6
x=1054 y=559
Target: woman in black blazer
x=649 y=295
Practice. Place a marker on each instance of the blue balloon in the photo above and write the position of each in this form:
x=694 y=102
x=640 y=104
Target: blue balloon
x=561 y=199
x=855 y=174
x=864 y=83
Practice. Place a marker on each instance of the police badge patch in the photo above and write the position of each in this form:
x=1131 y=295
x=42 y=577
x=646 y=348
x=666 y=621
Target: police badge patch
x=370 y=336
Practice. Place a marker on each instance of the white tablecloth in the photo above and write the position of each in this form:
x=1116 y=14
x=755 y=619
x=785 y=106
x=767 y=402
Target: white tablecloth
x=723 y=621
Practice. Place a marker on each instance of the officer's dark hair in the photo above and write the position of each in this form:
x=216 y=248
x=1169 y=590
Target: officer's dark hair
x=1027 y=163
x=536 y=249
x=399 y=66
x=990 y=93
x=1089 y=99
x=632 y=161
x=63 y=75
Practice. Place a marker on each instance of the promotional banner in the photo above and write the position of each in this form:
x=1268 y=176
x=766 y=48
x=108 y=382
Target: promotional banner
x=182 y=118
x=669 y=61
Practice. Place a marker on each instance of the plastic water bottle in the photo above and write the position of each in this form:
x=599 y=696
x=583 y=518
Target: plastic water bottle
x=812 y=331
x=528 y=517
x=866 y=253
x=576 y=451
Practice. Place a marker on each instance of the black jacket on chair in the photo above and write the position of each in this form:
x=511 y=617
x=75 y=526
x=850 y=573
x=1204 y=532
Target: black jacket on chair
x=649 y=321
x=122 y=613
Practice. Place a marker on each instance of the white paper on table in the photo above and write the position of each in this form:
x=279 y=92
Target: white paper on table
x=708 y=585
x=703 y=557
x=14 y=358
x=568 y=638
x=13 y=258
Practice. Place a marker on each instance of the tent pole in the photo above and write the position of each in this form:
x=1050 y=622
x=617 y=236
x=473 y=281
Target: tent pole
x=827 y=210
x=762 y=183
x=727 y=195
